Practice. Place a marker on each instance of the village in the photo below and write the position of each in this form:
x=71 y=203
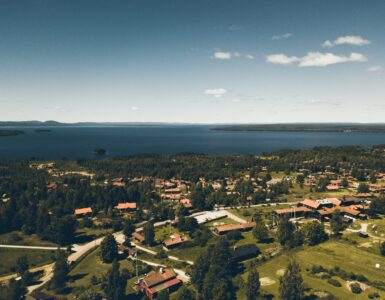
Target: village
x=164 y=264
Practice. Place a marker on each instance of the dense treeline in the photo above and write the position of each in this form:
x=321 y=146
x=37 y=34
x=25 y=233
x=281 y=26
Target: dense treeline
x=27 y=204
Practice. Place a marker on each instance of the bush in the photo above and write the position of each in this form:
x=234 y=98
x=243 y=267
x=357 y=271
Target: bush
x=374 y=295
x=355 y=288
x=315 y=269
x=334 y=282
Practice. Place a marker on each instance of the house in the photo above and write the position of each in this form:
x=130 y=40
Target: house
x=118 y=182
x=185 y=202
x=82 y=212
x=293 y=212
x=226 y=228
x=138 y=236
x=51 y=186
x=160 y=279
x=175 y=240
x=317 y=204
x=126 y=206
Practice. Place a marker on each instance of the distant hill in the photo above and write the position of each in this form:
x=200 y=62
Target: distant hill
x=310 y=127
x=58 y=124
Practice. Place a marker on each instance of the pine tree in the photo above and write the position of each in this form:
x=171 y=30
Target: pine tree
x=291 y=283
x=115 y=286
x=337 y=223
x=60 y=273
x=149 y=234
x=128 y=230
x=185 y=293
x=252 y=285
x=108 y=249
x=15 y=290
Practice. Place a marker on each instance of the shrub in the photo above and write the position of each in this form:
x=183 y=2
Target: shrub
x=315 y=269
x=355 y=288
x=334 y=282
x=374 y=295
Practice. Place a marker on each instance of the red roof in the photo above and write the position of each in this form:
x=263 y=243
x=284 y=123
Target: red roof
x=311 y=203
x=83 y=211
x=126 y=205
x=291 y=210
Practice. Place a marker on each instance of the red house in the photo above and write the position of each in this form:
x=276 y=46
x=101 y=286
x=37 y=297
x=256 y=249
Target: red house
x=162 y=278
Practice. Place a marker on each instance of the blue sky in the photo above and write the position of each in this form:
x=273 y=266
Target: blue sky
x=193 y=61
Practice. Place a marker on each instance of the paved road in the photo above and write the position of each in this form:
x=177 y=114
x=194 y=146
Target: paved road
x=32 y=247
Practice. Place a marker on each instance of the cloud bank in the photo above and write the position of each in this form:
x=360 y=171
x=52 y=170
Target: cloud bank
x=216 y=93
x=314 y=59
x=354 y=40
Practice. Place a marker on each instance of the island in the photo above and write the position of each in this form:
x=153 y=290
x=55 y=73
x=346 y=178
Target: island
x=100 y=151
x=9 y=132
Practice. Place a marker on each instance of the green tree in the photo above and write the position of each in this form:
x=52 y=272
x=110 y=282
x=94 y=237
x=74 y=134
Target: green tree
x=109 y=249
x=223 y=290
x=128 y=230
x=149 y=234
x=16 y=290
x=260 y=232
x=363 y=188
x=60 y=272
x=291 y=285
x=184 y=293
x=252 y=285
x=314 y=233
x=65 y=230
x=163 y=295
x=287 y=234
x=21 y=265
x=382 y=248
x=344 y=183
x=337 y=223
x=115 y=285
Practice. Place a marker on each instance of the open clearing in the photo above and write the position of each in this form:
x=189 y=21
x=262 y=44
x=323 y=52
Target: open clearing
x=329 y=254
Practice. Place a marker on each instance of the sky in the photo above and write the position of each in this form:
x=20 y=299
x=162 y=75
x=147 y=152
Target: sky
x=201 y=61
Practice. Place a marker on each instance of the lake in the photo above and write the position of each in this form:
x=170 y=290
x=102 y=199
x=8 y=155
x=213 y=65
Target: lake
x=80 y=142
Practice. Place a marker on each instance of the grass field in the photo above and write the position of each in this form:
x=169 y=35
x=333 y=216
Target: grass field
x=164 y=232
x=91 y=265
x=8 y=258
x=377 y=227
x=328 y=255
x=19 y=238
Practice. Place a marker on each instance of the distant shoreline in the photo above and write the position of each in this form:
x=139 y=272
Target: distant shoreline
x=343 y=128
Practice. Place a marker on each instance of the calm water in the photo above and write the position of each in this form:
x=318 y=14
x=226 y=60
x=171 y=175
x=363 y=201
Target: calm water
x=79 y=142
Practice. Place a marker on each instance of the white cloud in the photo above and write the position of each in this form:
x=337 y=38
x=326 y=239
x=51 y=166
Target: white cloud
x=225 y=55
x=281 y=59
x=318 y=59
x=354 y=40
x=134 y=108
x=217 y=92
x=375 y=69
x=222 y=55
x=314 y=59
x=281 y=37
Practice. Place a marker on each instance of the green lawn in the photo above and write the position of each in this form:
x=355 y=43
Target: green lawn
x=89 y=266
x=164 y=232
x=20 y=238
x=377 y=227
x=220 y=221
x=8 y=258
x=329 y=254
